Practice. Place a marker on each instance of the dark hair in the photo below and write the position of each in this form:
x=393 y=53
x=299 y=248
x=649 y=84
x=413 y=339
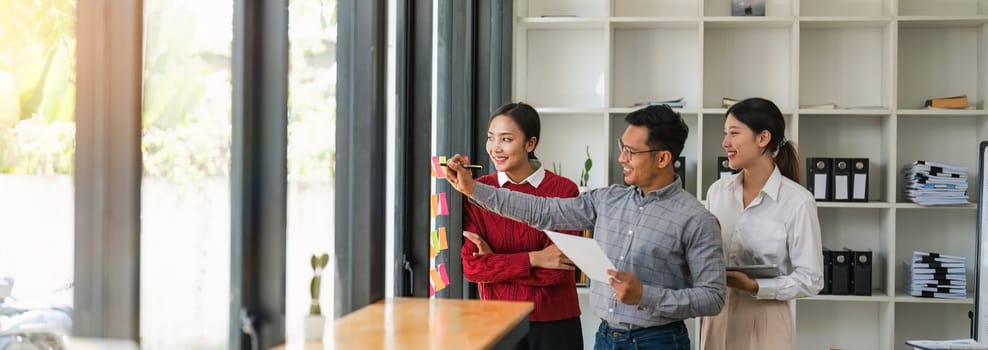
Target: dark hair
x=527 y=119
x=666 y=129
x=759 y=115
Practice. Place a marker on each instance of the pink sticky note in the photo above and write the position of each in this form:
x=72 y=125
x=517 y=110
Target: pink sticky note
x=442 y=273
x=437 y=170
x=443 y=208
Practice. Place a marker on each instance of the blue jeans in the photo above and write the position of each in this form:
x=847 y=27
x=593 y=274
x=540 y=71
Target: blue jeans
x=672 y=336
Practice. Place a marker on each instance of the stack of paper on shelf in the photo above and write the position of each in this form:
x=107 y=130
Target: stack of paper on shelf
x=933 y=275
x=828 y=105
x=671 y=102
x=933 y=183
x=946 y=344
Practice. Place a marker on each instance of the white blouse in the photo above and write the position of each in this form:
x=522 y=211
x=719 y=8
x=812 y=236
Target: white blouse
x=780 y=226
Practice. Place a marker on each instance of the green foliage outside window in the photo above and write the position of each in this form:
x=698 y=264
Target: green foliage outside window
x=186 y=122
x=37 y=86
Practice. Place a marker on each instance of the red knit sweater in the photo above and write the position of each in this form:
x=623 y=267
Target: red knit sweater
x=507 y=274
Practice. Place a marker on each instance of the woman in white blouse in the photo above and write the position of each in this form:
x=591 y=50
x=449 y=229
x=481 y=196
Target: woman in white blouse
x=766 y=218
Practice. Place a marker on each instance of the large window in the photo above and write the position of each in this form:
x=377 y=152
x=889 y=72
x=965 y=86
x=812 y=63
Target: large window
x=185 y=199
x=311 y=155
x=37 y=147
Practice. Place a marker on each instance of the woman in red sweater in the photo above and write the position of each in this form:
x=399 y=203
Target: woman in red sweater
x=511 y=260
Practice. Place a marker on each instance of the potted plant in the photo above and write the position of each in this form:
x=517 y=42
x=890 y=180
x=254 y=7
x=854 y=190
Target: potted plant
x=315 y=322
x=585 y=175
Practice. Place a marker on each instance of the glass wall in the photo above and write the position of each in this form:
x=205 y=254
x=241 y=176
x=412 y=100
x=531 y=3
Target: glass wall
x=311 y=157
x=37 y=159
x=185 y=199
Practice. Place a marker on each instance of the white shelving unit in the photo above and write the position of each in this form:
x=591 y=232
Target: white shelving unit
x=584 y=63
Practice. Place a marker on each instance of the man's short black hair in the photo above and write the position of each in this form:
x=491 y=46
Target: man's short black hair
x=666 y=128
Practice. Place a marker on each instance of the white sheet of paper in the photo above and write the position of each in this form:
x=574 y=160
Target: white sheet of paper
x=585 y=253
x=840 y=192
x=859 y=191
x=820 y=186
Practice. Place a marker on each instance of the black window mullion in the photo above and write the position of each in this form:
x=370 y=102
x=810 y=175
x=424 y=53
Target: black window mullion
x=259 y=170
x=361 y=157
x=416 y=91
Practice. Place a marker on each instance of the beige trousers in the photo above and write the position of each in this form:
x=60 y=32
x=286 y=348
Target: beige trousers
x=747 y=323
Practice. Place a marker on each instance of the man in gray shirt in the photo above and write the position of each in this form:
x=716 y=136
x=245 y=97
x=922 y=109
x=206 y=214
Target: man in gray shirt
x=665 y=244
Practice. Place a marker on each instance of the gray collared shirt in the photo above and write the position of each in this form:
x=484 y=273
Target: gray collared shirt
x=666 y=238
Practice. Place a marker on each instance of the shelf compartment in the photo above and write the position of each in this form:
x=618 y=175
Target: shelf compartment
x=930 y=321
x=860 y=230
x=559 y=145
x=927 y=71
x=646 y=68
x=578 y=8
x=831 y=8
x=656 y=8
x=850 y=136
x=719 y=112
x=942 y=8
x=740 y=22
x=846 y=66
x=949 y=232
x=824 y=324
x=902 y=297
x=951 y=140
x=855 y=205
x=782 y=8
x=844 y=22
x=563 y=23
x=550 y=64
x=741 y=63
x=655 y=23
x=564 y=110
x=681 y=111
x=942 y=21
x=941 y=112
x=877 y=296
x=969 y=206
x=864 y=112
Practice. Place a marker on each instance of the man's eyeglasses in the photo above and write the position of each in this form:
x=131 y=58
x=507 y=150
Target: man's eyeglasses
x=627 y=151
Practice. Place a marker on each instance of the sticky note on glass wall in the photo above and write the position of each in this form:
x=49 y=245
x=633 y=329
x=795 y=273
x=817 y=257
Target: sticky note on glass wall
x=437 y=281
x=433 y=206
x=434 y=240
x=442 y=239
x=443 y=208
x=442 y=273
x=437 y=170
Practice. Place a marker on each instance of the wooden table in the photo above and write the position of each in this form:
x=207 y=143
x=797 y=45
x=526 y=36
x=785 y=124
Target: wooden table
x=418 y=323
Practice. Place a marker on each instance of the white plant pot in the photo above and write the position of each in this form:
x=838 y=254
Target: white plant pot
x=314 y=326
x=582 y=189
